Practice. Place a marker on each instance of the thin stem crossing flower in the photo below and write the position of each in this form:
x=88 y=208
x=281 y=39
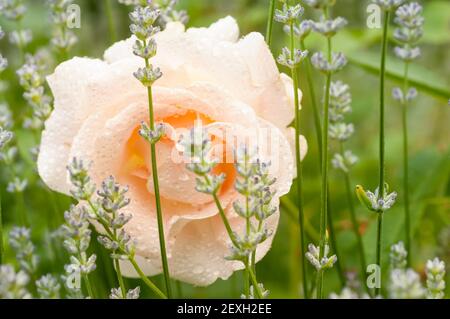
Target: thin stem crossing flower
x=409 y=31
x=292 y=57
x=143 y=20
x=103 y=210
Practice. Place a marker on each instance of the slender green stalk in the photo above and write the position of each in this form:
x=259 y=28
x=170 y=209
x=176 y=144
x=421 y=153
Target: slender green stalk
x=225 y=220
x=379 y=245
x=255 y=283
x=162 y=242
x=111 y=24
x=87 y=282
x=179 y=289
x=406 y=166
x=270 y=23
x=333 y=242
x=147 y=281
x=88 y=285
x=324 y=170
x=248 y=268
x=312 y=93
x=123 y=289
x=382 y=137
x=131 y=258
x=318 y=130
x=22 y=209
x=299 y=180
x=355 y=224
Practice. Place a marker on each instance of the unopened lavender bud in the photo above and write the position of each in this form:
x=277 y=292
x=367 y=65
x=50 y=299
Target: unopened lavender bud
x=289 y=14
x=148 y=75
x=435 y=271
x=407 y=54
x=338 y=62
x=286 y=59
x=329 y=28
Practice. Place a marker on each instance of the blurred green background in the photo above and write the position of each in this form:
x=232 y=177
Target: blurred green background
x=429 y=126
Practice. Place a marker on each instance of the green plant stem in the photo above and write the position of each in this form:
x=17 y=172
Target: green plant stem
x=382 y=102
x=162 y=242
x=382 y=138
x=312 y=93
x=298 y=159
x=254 y=283
x=111 y=24
x=318 y=130
x=147 y=281
x=86 y=280
x=355 y=224
x=406 y=166
x=123 y=289
x=248 y=268
x=333 y=242
x=379 y=245
x=324 y=170
x=22 y=209
x=270 y=23
x=131 y=259
x=88 y=285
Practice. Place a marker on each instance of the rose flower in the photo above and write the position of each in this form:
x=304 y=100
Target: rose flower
x=209 y=75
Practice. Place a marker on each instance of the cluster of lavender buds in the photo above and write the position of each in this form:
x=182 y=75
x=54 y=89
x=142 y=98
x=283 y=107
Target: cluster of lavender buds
x=104 y=209
x=313 y=255
x=32 y=80
x=131 y=294
x=13 y=284
x=8 y=153
x=20 y=241
x=388 y=5
x=373 y=200
x=5 y=137
x=337 y=63
x=48 y=287
x=15 y=10
x=154 y=136
x=409 y=31
x=329 y=28
x=405 y=284
x=435 y=271
x=290 y=17
x=167 y=8
x=398 y=256
x=301 y=29
x=196 y=147
x=77 y=237
x=143 y=20
x=254 y=184
x=63 y=37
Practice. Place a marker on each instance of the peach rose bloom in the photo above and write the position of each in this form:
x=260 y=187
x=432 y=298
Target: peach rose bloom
x=208 y=74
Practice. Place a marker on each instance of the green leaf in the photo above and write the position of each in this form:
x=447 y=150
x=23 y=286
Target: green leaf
x=420 y=77
x=437 y=22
